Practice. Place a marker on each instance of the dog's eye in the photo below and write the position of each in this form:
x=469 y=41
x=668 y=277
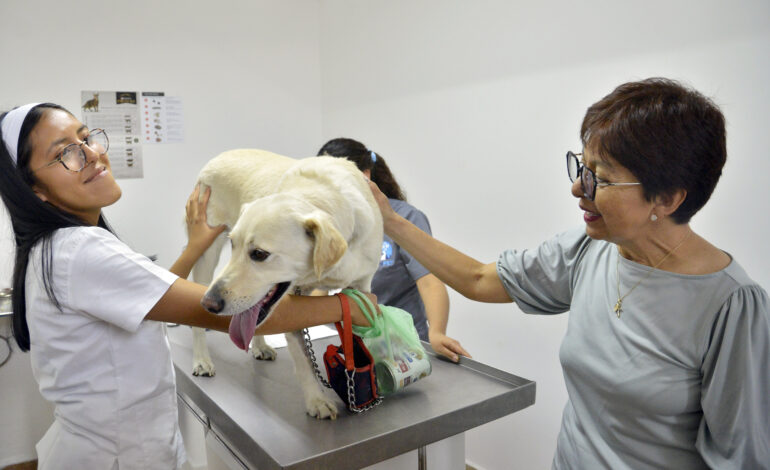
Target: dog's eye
x=259 y=255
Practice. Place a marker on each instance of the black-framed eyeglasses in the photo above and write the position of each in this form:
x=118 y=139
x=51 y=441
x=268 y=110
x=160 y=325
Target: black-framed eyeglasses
x=73 y=158
x=588 y=180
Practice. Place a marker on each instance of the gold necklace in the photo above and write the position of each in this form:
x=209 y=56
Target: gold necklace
x=619 y=304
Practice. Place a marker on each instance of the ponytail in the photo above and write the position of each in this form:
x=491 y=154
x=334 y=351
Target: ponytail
x=384 y=179
x=365 y=159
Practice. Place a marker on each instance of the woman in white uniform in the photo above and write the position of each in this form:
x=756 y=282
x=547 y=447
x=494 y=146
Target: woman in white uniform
x=666 y=353
x=91 y=311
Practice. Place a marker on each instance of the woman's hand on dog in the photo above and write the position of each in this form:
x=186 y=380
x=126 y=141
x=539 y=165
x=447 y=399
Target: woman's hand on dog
x=199 y=233
x=388 y=214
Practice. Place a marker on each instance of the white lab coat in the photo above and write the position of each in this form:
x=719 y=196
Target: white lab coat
x=108 y=372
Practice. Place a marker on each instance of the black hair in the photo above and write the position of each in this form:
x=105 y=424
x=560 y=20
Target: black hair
x=33 y=220
x=669 y=136
x=365 y=159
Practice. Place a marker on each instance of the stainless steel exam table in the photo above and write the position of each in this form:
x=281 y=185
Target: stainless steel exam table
x=256 y=409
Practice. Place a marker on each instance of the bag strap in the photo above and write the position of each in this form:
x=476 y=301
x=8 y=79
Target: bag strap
x=370 y=312
x=346 y=332
x=366 y=305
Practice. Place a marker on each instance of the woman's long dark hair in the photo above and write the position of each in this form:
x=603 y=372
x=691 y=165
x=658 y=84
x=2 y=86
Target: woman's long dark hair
x=33 y=220
x=365 y=159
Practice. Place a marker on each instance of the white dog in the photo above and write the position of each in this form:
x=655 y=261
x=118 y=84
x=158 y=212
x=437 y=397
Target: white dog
x=294 y=225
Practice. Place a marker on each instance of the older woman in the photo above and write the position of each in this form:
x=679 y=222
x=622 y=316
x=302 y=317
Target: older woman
x=665 y=356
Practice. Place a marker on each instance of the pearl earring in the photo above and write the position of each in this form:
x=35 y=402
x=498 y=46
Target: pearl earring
x=653 y=217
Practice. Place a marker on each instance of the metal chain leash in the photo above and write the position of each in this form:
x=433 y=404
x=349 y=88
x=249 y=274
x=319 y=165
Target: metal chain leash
x=349 y=374
x=311 y=356
x=309 y=353
x=352 y=395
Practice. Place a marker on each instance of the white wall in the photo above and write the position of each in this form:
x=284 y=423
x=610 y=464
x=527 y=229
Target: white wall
x=247 y=71
x=474 y=105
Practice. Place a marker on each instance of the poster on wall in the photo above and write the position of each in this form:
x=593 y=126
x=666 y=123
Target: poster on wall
x=161 y=118
x=117 y=112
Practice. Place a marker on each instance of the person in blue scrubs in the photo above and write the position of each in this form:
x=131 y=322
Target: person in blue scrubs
x=401 y=281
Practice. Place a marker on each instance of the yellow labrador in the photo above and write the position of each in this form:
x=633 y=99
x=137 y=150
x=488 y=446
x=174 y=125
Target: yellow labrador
x=293 y=225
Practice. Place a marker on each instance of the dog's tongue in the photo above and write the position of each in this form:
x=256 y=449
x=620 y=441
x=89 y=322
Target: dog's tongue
x=242 y=327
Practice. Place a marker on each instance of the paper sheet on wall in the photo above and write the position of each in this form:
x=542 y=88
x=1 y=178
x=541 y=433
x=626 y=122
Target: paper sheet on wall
x=117 y=112
x=162 y=121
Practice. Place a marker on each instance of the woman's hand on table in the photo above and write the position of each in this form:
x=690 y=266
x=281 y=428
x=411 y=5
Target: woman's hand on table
x=446 y=346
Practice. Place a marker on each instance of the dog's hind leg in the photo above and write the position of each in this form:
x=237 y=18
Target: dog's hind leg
x=317 y=403
x=203 y=273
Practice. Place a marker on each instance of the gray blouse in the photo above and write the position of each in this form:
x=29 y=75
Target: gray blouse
x=681 y=380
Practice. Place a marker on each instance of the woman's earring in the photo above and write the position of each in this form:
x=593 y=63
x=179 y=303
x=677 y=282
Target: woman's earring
x=653 y=217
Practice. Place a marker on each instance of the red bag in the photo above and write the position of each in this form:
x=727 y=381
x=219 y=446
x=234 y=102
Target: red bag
x=350 y=366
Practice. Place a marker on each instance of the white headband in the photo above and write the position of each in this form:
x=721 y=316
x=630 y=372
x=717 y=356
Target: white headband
x=11 y=127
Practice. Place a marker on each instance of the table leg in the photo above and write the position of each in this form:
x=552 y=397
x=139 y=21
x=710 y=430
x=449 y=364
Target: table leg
x=422 y=458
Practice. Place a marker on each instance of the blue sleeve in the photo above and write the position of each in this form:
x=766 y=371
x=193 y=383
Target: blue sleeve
x=735 y=393
x=541 y=280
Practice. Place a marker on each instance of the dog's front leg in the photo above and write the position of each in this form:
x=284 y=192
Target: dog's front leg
x=316 y=402
x=202 y=363
x=261 y=350
x=203 y=272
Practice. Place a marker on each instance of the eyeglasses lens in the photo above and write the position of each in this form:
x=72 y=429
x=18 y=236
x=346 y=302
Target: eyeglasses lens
x=98 y=142
x=572 y=166
x=73 y=156
x=588 y=181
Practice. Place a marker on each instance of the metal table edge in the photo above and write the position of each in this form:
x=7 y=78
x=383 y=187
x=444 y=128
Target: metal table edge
x=219 y=423
x=400 y=440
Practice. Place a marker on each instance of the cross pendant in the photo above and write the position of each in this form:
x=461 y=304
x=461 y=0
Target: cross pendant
x=618 y=307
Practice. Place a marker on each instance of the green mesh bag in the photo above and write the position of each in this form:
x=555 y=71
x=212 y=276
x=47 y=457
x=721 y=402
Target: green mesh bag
x=393 y=341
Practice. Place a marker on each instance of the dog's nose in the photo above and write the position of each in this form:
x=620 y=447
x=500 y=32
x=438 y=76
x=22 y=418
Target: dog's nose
x=213 y=303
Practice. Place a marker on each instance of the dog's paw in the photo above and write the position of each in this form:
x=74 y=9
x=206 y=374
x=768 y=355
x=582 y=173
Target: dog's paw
x=264 y=353
x=321 y=407
x=203 y=368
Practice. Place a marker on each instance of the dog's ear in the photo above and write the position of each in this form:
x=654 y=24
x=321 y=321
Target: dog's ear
x=329 y=244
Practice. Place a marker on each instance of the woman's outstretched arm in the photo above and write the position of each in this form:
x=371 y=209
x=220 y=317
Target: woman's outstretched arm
x=182 y=304
x=471 y=278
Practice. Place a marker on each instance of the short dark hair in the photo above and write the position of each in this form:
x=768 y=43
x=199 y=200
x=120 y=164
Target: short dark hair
x=365 y=159
x=669 y=136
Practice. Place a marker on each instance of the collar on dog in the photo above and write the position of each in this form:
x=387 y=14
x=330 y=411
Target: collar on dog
x=11 y=127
